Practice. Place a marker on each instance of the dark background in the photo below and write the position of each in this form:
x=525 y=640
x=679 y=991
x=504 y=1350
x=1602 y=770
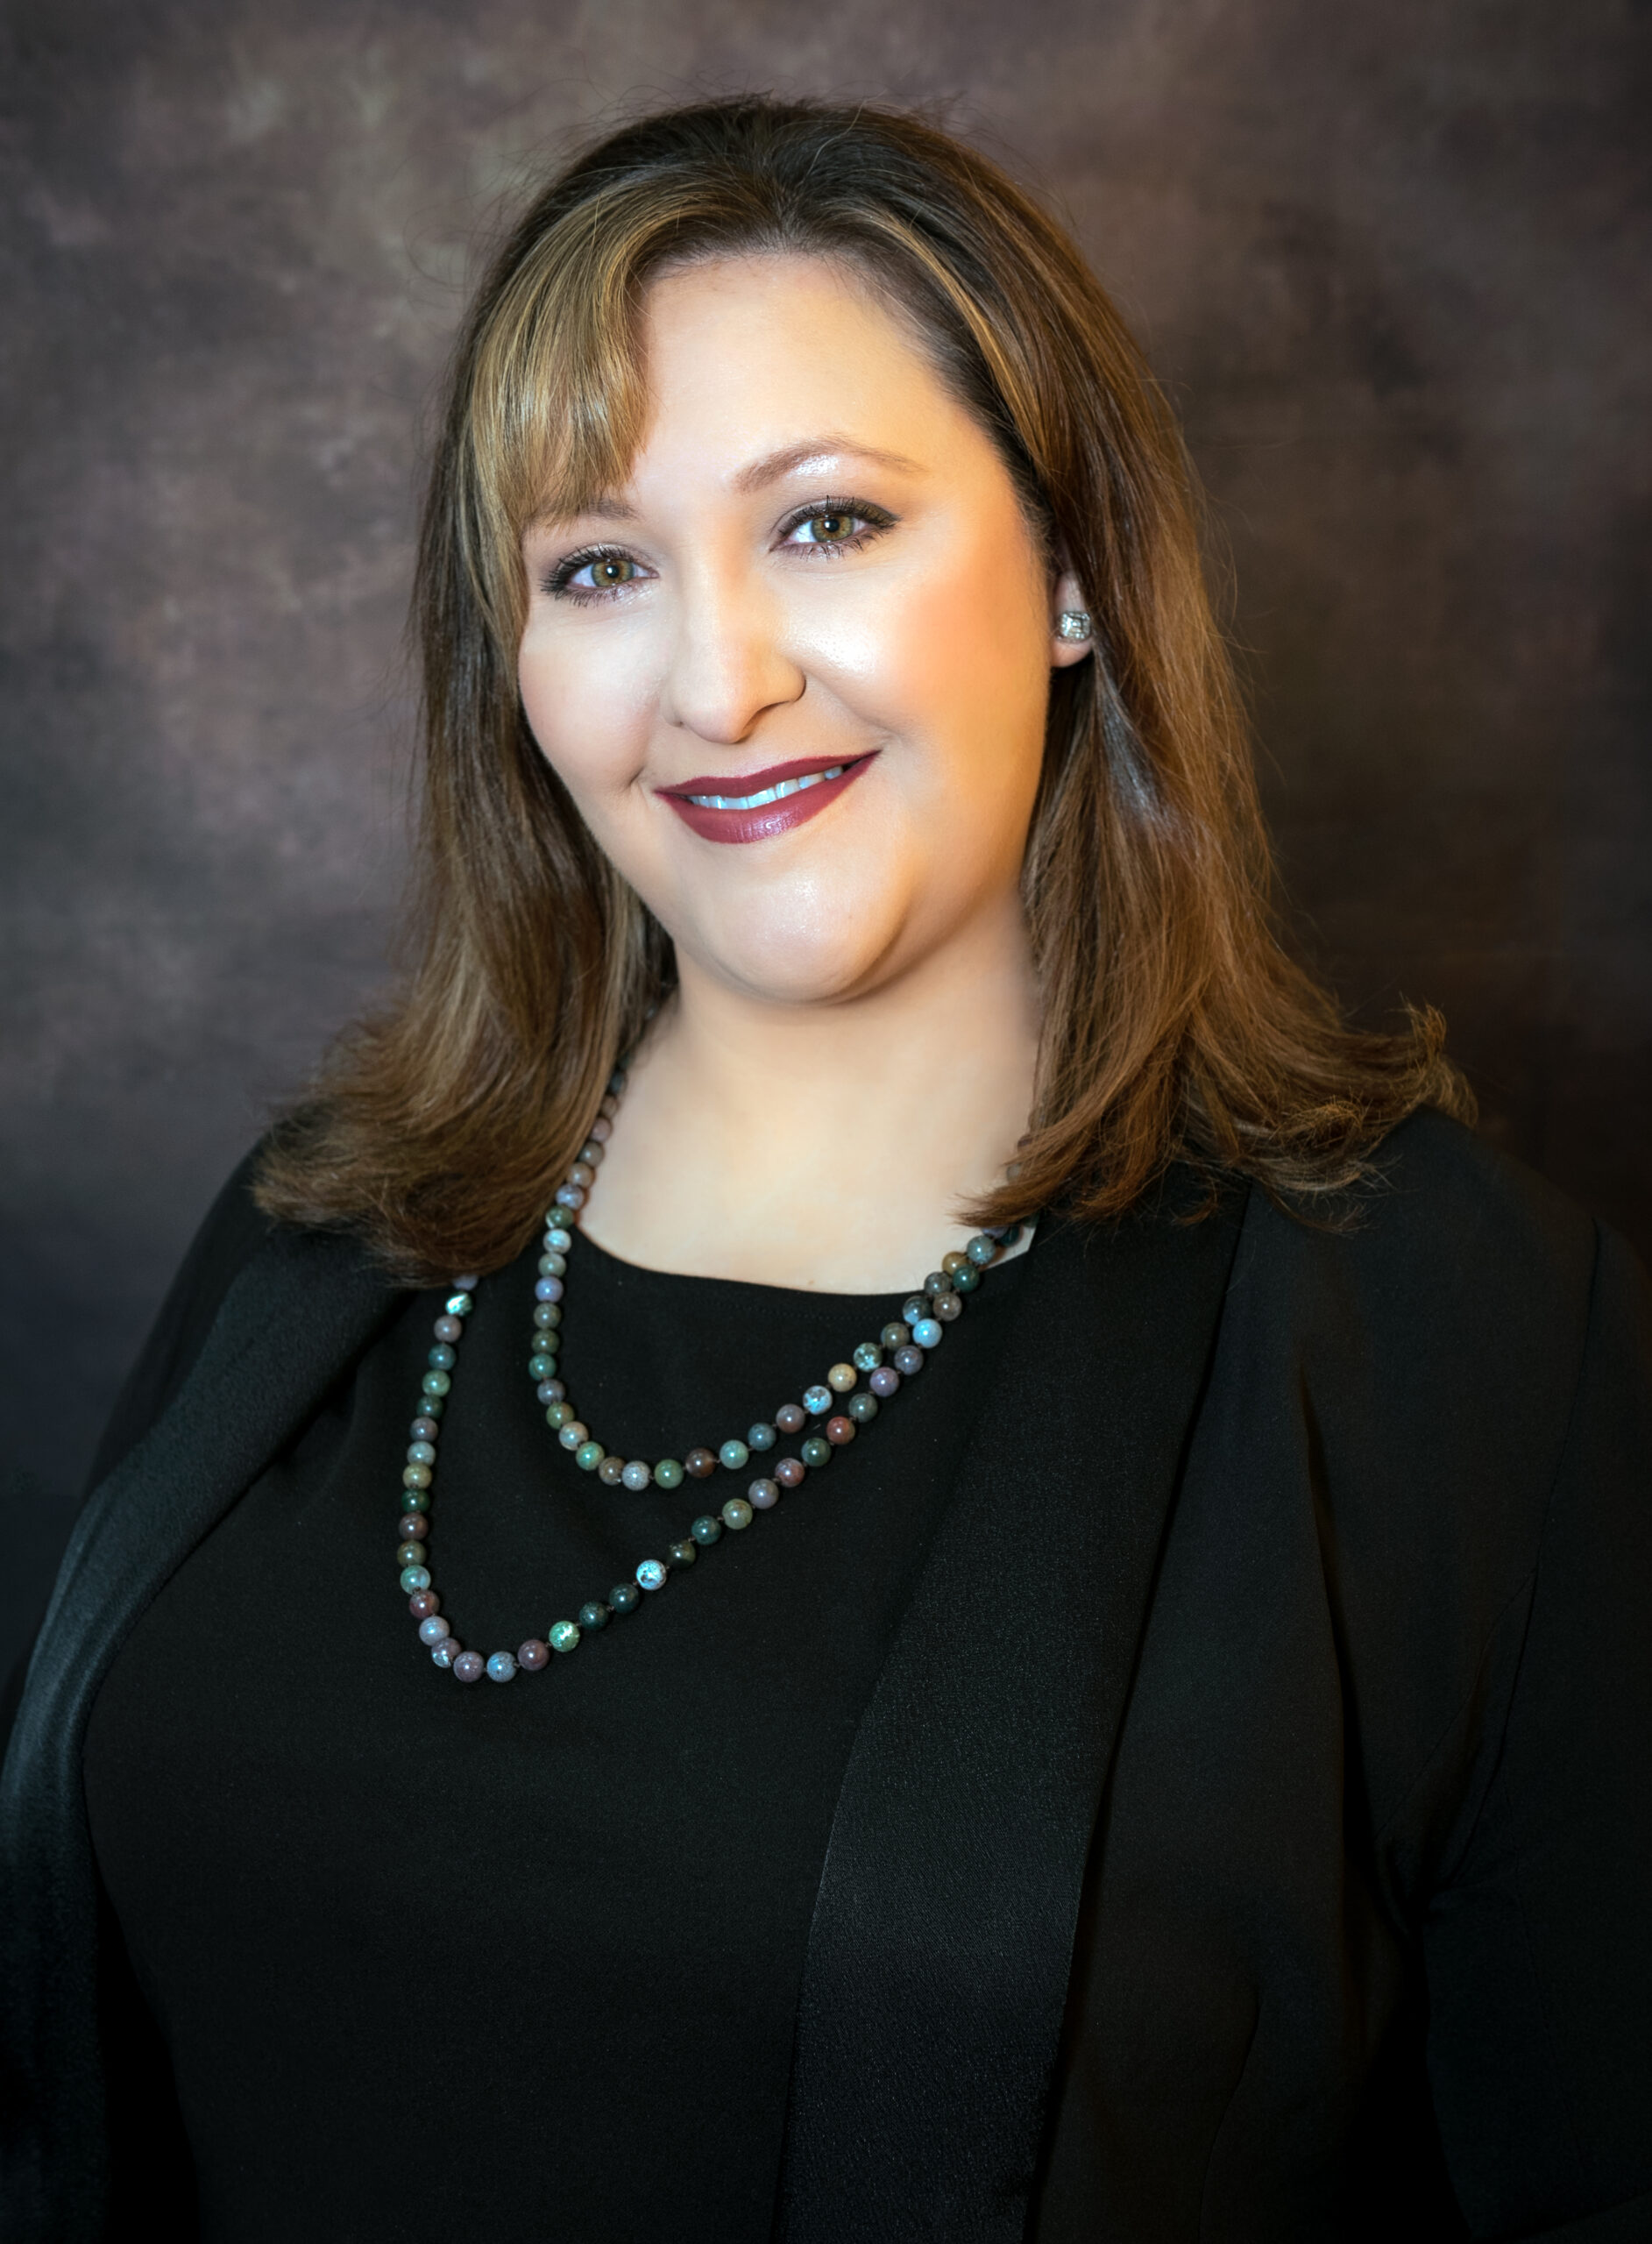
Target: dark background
x=1390 y=259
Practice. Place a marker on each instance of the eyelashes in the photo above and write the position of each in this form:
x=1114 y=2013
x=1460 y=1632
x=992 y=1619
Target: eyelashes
x=863 y=521
x=559 y=582
x=873 y=522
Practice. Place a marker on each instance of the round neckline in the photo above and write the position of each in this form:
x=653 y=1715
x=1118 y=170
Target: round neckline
x=620 y=1270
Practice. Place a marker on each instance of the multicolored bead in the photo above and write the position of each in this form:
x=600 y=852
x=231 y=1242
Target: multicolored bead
x=839 y=1405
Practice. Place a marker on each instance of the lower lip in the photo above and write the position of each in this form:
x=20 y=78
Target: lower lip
x=771 y=817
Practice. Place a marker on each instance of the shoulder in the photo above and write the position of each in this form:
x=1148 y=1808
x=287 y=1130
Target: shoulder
x=1432 y=1351
x=1449 y=1245
x=1412 y=1392
x=230 y=1235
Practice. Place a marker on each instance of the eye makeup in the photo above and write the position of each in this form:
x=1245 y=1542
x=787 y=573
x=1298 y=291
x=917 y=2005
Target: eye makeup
x=862 y=519
x=558 y=582
x=873 y=522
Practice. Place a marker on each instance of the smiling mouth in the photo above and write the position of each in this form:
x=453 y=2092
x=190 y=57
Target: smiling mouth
x=764 y=795
x=770 y=802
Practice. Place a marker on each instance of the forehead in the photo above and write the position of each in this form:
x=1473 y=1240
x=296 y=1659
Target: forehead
x=740 y=372
x=747 y=359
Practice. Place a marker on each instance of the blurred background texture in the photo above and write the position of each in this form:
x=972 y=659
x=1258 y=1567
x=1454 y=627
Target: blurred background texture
x=1390 y=261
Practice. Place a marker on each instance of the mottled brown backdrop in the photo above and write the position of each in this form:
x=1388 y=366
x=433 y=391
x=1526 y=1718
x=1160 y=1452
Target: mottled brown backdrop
x=1389 y=257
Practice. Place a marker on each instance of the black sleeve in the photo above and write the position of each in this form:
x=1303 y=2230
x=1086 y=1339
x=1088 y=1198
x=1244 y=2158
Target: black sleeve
x=1539 y=1951
x=234 y=1228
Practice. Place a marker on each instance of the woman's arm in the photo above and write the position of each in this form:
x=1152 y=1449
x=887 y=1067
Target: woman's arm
x=1539 y=1947
x=232 y=1231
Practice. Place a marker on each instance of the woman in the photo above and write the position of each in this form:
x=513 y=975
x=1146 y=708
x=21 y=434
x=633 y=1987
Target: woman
x=1171 y=1775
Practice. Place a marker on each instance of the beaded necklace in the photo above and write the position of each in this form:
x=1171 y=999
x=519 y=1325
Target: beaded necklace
x=904 y=1342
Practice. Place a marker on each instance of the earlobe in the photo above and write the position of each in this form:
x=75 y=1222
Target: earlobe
x=1075 y=627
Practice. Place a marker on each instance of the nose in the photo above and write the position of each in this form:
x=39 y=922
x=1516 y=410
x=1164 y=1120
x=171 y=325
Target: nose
x=727 y=664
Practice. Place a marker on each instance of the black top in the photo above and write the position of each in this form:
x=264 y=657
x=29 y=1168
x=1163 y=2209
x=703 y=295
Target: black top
x=1246 y=1835
x=515 y=1960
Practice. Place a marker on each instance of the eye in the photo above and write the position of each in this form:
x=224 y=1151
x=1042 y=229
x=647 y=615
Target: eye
x=588 y=575
x=835 y=526
x=605 y=575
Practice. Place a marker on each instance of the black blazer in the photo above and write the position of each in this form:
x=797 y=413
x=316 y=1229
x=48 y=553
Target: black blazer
x=1250 y=1834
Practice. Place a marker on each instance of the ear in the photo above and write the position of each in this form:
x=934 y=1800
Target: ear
x=1066 y=601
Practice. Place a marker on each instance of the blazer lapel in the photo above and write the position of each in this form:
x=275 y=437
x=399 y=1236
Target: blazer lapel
x=941 y=1945
x=292 y=1320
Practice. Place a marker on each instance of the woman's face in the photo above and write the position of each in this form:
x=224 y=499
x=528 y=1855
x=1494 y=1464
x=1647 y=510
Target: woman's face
x=818 y=603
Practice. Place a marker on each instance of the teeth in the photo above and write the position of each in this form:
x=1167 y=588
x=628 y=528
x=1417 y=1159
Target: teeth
x=768 y=795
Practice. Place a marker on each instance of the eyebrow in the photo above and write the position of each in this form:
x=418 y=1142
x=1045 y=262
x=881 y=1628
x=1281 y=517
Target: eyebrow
x=758 y=474
x=773 y=467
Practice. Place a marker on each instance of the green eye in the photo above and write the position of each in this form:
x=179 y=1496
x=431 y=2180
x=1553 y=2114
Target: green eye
x=582 y=574
x=845 y=524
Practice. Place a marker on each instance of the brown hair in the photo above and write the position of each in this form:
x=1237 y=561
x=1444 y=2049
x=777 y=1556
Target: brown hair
x=1176 y=1027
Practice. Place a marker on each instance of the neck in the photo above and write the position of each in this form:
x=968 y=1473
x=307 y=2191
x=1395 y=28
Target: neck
x=824 y=1145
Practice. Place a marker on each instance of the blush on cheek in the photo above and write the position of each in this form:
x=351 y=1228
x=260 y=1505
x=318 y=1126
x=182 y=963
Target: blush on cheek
x=975 y=638
x=978 y=686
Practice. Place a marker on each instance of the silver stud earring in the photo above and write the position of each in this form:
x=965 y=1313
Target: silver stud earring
x=1073 y=625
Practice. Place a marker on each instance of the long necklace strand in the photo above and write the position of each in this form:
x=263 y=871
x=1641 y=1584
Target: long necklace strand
x=833 y=1411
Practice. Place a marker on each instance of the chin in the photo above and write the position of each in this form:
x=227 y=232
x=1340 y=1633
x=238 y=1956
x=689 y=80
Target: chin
x=809 y=952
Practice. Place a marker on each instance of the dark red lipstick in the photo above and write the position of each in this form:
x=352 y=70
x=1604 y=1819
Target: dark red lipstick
x=791 y=794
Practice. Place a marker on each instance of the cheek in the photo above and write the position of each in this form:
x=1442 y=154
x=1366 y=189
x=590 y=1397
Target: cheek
x=591 y=714
x=958 y=664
